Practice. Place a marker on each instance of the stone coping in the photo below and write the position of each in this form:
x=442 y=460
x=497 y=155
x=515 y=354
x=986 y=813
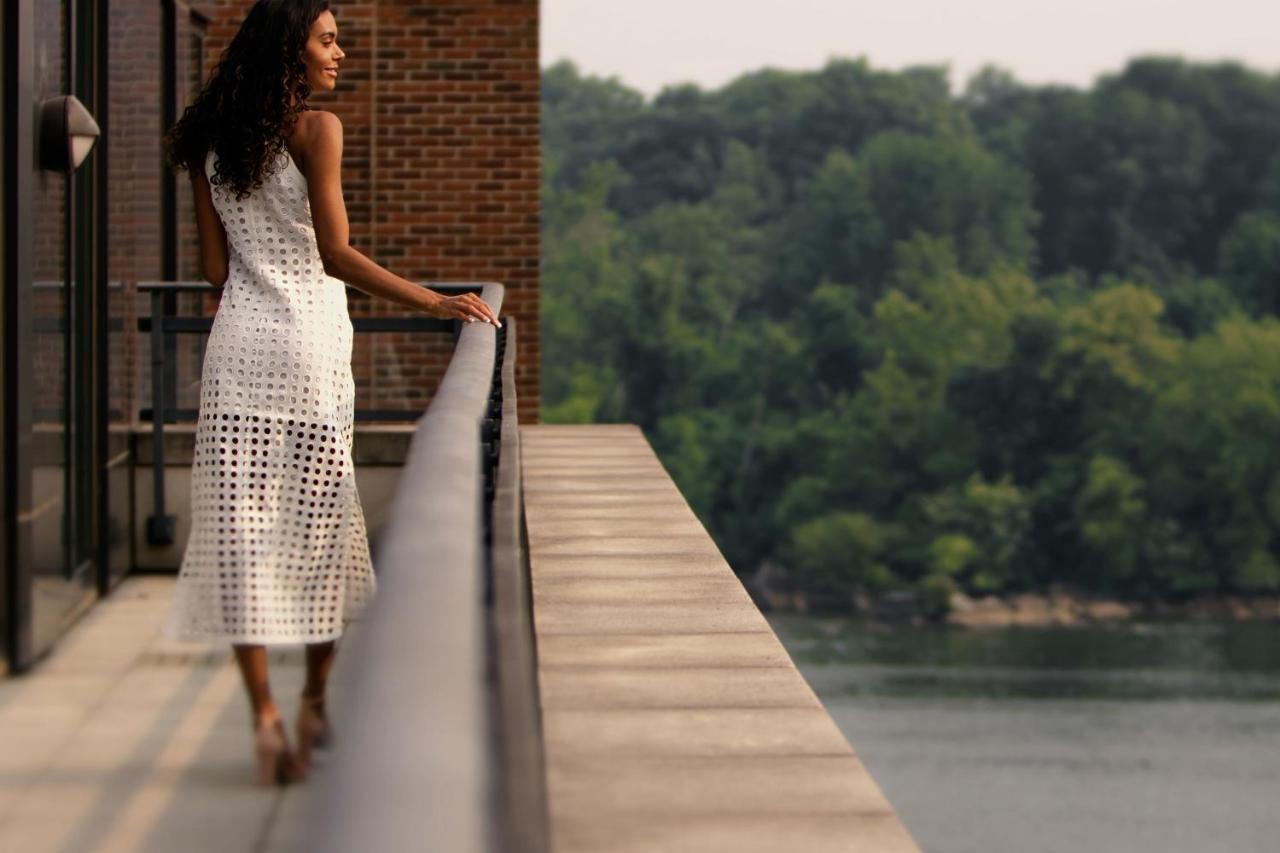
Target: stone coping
x=673 y=718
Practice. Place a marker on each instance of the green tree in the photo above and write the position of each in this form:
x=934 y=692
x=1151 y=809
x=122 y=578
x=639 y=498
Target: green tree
x=838 y=554
x=996 y=520
x=590 y=265
x=1217 y=463
x=949 y=189
x=1110 y=513
x=1250 y=261
x=995 y=341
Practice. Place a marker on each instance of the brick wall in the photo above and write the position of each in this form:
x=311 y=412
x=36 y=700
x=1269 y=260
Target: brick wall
x=440 y=109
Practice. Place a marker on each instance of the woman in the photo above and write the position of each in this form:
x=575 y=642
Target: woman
x=278 y=551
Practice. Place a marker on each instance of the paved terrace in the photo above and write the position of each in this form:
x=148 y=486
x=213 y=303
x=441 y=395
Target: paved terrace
x=674 y=719
x=122 y=741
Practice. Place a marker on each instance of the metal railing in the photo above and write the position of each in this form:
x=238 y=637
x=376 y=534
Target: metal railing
x=440 y=744
x=164 y=324
x=516 y=703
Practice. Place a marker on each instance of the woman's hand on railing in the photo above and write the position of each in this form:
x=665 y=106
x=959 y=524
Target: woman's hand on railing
x=465 y=306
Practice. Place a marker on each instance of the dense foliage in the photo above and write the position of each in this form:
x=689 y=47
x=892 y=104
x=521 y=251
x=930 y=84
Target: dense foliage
x=888 y=338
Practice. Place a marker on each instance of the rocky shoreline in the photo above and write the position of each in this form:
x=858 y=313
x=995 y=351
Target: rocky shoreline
x=1029 y=609
x=1055 y=608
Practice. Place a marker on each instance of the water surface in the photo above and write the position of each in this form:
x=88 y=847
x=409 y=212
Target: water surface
x=1128 y=737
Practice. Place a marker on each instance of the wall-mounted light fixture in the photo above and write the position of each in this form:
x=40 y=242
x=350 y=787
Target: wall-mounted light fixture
x=67 y=133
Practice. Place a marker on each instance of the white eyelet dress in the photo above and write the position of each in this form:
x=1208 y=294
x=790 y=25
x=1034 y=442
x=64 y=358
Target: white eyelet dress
x=278 y=551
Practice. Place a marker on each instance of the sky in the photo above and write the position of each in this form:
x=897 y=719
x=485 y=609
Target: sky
x=649 y=44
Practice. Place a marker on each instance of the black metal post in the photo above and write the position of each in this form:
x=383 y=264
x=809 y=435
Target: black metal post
x=161 y=528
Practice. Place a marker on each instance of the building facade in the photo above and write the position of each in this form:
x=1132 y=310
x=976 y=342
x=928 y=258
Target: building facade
x=440 y=107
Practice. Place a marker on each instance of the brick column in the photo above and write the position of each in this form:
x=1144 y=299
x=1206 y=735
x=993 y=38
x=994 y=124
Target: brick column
x=440 y=107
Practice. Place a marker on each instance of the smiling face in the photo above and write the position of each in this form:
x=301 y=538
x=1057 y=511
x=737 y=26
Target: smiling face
x=322 y=53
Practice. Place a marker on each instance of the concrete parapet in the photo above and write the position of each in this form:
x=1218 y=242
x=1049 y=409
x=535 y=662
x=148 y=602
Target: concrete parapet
x=673 y=717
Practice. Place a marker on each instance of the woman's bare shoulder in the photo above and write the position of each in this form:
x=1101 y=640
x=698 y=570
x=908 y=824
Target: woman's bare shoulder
x=314 y=128
x=313 y=122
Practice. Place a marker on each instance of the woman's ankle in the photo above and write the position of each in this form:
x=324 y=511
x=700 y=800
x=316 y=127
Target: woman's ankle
x=266 y=714
x=313 y=699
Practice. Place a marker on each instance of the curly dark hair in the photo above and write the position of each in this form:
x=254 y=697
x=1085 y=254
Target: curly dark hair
x=252 y=98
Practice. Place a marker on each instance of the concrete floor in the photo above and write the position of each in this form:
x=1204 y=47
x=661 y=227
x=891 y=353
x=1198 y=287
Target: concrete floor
x=121 y=740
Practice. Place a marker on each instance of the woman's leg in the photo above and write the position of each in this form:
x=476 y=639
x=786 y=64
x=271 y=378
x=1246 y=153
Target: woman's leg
x=313 y=723
x=276 y=761
x=253 y=668
x=320 y=657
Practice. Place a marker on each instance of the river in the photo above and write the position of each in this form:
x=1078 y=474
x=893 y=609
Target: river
x=1134 y=737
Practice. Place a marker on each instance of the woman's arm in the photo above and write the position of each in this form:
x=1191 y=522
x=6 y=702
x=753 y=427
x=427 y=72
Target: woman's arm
x=319 y=140
x=213 y=237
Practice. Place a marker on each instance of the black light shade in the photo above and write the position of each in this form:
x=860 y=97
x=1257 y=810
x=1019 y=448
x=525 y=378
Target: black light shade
x=67 y=133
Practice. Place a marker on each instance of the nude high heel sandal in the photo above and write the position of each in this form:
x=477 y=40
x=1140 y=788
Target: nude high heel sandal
x=277 y=764
x=314 y=731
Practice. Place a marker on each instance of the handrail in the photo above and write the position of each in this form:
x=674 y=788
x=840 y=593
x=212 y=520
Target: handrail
x=163 y=324
x=417 y=763
x=516 y=696
x=193 y=286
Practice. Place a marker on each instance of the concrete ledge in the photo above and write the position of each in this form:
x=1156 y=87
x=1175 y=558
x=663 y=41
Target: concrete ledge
x=673 y=718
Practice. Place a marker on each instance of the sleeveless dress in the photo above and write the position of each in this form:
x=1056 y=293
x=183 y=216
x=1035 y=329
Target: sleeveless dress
x=278 y=551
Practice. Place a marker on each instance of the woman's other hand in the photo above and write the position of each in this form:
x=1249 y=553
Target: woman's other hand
x=468 y=307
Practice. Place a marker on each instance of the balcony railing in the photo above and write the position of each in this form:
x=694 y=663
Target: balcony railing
x=164 y=324
x=441 y=746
